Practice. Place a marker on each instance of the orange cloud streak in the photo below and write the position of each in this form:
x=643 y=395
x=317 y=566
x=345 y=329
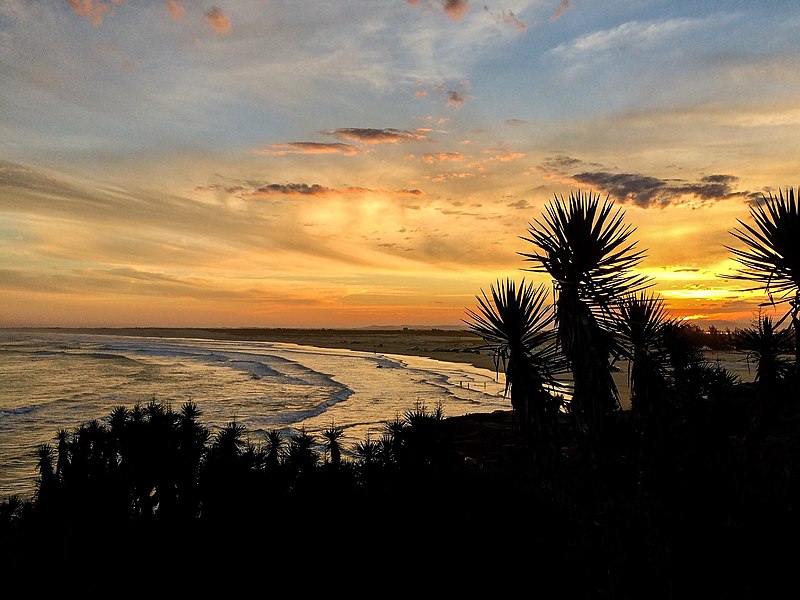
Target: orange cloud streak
x=176 y=10
x=560 y=10
x=95 y=11
x=217 y=20
x=309 y=148
x=456 y=9
x=377 y=136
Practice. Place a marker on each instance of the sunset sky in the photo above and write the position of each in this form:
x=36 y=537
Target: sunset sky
x=350 y=163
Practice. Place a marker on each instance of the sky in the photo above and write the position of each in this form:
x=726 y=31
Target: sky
x=342 y=163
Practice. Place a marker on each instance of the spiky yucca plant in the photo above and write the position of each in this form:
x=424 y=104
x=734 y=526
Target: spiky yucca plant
x=516 y=324
x=584 y=245
x=641 y=324
x=771 y=256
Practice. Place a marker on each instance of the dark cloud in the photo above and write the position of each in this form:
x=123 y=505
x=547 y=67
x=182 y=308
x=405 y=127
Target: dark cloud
x=519 y=204
x=455 y=98
x=376 y=136
x=643 y=190
x=305 y=189
x=559 y=163
x=516 y=122
x=647 y=192
x=712 y=187
x=289 y=189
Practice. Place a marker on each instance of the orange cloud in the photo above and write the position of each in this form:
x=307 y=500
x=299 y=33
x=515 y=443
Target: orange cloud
x=309 y=148
x=377 y=136
x=95 y=11
x=503 y=154
x=560 y=10
x=176 y=10
x=511 y=19
x=441 y=157
x=456 y=9
x=217 y=20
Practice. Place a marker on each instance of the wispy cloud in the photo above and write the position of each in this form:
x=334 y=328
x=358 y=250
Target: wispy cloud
x=309 y=148
x=377 y=136
x=515 y=122
x=217 y=20
x=635 y=35
x=507 y=17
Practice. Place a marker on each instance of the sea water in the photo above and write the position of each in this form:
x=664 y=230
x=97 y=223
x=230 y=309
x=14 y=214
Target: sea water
x=50 y=381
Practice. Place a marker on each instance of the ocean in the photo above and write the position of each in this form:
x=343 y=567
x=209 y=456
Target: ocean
x=50 y=381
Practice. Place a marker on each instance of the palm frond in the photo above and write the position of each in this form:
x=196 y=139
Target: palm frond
x=771 y=257
x=585 y=245
x=767 y=346
x=516 y=324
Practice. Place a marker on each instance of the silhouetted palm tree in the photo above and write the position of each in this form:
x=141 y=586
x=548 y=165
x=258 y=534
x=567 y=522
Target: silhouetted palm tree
x=515 y=323
x=767 y=346
x=584 y=245
x=368 y=452
x=332 y=435
x=395 y=429
x=275 y=443
x=641 y=323
x=62 y=463
x=47 y=478
x=771 y=257
x=302 y=456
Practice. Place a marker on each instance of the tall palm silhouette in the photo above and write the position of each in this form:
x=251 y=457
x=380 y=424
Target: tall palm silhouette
x=584 y=245
x=641 y=325
x=771 y=257
x=332 y=435
x=275 y=442
x=515 y=323
x=766 y=345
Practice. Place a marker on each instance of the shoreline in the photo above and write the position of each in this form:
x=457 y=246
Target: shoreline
x=459 y=346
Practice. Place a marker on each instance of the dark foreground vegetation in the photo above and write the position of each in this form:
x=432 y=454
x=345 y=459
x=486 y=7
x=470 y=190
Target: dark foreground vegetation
x=693 y=492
